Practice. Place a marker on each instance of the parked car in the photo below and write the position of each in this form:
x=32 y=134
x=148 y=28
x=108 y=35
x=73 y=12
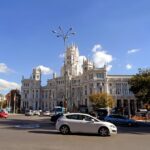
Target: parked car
x=3 y=113
x=46 y=113
x=29 y=113
x=84 y=123
x=101 y=113
x=36 y=112
x=120 y=120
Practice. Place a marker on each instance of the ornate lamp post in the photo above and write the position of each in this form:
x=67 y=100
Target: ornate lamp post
x=60 y=33
x=64 y=35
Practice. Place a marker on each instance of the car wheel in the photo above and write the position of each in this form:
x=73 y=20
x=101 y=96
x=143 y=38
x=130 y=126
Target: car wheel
x=104 y=131
x=64 y=129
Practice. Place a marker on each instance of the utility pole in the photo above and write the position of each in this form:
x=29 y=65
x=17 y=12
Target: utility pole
x=60 y=33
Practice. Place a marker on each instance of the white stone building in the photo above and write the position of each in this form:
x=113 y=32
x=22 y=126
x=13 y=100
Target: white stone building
x=75 y=85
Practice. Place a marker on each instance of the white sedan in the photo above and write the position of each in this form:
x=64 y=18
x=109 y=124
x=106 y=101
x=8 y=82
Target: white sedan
x=84 y=123
x=46 y=113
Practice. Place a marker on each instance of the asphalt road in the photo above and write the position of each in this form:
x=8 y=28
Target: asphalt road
x=19 y=132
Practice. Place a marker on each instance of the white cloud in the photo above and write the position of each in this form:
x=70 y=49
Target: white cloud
x=62 y=55
x=109 y=67
x=128 y=66
x=4 y=68
x=100 y=56
x=6 y=85
x=133 y=51
x=45 y=70
x=97 y=47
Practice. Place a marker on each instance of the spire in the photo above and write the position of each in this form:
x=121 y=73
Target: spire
x=93 y=65
x=22 y=77
x=105 y=65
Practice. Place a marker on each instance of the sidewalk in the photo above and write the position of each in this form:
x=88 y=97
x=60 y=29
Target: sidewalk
x=13 y=114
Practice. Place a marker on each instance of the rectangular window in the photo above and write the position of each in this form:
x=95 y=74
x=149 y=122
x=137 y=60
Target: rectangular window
x=42 y=94
x=49 y=93
x=91 y=91
x=72 y=91
x=110 y=91
x=118 y=88
x=46 y=95
x=33 y=94
x=36 y=93
x=100 y=75
x=85 y=92
x=90 y=76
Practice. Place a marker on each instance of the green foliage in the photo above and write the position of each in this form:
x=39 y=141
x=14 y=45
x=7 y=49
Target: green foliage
x=140 y=85
x=101 y=100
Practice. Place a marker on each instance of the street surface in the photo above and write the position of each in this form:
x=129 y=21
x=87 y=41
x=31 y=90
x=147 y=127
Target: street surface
x=20 y=132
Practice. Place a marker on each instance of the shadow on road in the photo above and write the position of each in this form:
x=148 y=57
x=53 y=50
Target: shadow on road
x=44 y=132
x=26 y=123
x=57 y=132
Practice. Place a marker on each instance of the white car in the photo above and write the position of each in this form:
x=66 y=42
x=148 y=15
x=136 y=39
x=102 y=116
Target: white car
x=36 y=112
x=46 y=113
x=84 y=123
x=29 y=113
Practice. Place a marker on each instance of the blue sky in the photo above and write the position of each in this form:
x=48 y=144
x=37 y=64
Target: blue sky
x=112 y=31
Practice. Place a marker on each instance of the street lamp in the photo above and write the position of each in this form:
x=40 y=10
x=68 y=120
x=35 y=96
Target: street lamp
x=60 y=33
x=64 y=35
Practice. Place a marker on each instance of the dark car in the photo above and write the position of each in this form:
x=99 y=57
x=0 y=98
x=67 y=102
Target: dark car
x=101 y=113
x=55 y=117
x=120 y=120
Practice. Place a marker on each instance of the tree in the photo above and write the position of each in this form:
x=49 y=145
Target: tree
x=140 y=85
x=101 y=100
x=3 y=104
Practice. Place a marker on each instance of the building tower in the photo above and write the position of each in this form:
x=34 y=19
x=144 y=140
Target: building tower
x=36 y=74
x=87 y=65
x=71 y=64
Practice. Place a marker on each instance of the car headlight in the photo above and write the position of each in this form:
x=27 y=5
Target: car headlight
x=112 y=126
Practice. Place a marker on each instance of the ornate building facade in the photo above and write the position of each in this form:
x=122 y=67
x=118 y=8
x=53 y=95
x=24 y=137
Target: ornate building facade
x=73 y=87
